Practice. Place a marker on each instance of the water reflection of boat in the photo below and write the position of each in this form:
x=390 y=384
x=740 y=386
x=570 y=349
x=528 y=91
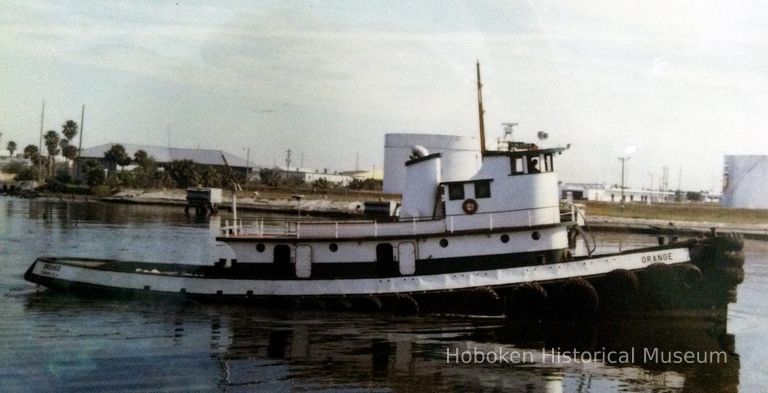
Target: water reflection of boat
x=483 y=239
x=280 y=350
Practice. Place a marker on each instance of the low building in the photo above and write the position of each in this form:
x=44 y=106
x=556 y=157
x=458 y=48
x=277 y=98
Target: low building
x=164 y=155
x=603 y=193
x=375 y=174
x=309 y=176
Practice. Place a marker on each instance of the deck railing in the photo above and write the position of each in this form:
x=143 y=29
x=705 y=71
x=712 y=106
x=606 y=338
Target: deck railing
x=373 y=229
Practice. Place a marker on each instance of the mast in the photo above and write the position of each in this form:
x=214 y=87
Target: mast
x=480 y=110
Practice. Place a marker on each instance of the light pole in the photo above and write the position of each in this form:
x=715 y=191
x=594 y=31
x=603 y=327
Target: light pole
x=247 y=163
x=623 y=160
x=650 y=193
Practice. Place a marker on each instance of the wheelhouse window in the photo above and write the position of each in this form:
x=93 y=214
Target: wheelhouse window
x=532 y=163
x=483 y=189
x=517 y=166
x=534 y=166
x=455 y=191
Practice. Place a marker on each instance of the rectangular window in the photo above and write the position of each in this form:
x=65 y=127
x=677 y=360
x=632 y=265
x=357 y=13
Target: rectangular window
x=456 y=191
x=534 y=166
x=517 y=166
x=549 y=162
x=483 y=189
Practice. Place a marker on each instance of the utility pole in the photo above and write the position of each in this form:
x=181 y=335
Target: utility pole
x=623 y=160
x=650 y=191
x=40 y=144
x=288 y=160
x=80 y=144
x=247 y=163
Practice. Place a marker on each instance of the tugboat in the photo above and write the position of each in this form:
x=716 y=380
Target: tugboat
x=490 y=243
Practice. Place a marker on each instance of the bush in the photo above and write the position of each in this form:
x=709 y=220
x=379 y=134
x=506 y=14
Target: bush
x=62 y=176
x=15 y=167
x=101 y=191
x=94 y=174
x=365 y=184
x=53 y=185
x=26 y=174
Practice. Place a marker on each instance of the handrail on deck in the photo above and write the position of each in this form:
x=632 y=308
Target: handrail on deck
x=262 y=227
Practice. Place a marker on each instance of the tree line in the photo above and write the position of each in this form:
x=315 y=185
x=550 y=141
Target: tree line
x=146 y=172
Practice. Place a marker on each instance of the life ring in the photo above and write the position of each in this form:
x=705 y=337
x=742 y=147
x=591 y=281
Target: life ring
x=469 y=206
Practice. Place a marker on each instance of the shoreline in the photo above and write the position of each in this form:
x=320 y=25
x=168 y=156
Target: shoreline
x=329 y=205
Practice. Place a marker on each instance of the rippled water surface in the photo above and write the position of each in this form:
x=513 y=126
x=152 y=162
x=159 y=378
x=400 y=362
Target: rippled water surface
x=51 y=341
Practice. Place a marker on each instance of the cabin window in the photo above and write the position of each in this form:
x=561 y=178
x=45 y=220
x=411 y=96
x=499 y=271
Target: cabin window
x=548 y=163
x=517 y=166
x=483 y=189
x=534 y=166
x=456 y=191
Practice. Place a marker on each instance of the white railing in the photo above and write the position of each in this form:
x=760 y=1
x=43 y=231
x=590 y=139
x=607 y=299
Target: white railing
x=346 y=229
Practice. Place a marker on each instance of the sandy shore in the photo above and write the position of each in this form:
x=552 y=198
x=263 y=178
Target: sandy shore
x=317 y=204
x=649 y=226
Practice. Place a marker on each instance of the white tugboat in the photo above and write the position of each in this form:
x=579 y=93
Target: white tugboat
x=493 y=241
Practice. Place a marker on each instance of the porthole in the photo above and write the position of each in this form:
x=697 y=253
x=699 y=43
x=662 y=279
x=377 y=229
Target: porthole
x=260 y=247
x=505 y=238
x=536 y=235
x=443 y=243
x=333 y=247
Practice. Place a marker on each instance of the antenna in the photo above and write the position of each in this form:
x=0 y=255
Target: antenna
x=480 y=110
x=288 y=160
x=509 y=128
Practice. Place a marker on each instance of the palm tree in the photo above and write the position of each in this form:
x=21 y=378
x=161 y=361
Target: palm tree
x=52 y=140
x=69 y=130
x=30 y=151
x=117 y=155
x=183 y=172
x=211 y=177
x=142 y=158
x=11 y=147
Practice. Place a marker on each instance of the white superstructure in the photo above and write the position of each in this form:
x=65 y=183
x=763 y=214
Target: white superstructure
x=460 y=157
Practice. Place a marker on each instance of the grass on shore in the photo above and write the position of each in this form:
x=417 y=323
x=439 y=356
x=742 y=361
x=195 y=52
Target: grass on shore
x=679 y=212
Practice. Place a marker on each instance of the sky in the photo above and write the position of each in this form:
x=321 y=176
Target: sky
x=676 y=84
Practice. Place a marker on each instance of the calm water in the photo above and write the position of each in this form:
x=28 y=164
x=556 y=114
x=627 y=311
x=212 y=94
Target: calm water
x=52 y=341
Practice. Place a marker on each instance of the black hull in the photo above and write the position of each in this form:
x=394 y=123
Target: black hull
x=698 y=286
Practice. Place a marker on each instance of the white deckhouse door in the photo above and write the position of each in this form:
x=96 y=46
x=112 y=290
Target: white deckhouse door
x=303 y=261
x=407 y=257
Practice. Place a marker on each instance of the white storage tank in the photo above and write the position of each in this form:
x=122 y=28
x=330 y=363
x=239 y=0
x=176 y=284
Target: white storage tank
x=745 y=181
x=422 y=177
x=460 y=157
